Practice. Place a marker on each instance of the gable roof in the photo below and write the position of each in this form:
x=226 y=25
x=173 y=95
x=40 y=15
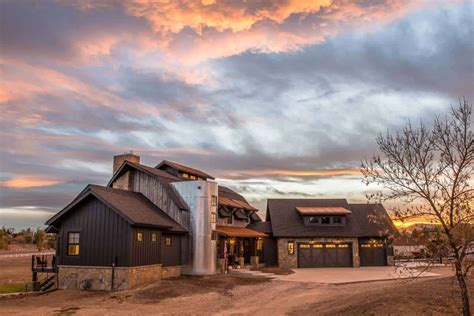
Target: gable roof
x=366 y=220
x=184 y=168
x=164 y=177
x=132 y=206
x=228 y=197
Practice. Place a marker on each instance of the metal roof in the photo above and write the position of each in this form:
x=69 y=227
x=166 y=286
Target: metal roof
x=323 y=210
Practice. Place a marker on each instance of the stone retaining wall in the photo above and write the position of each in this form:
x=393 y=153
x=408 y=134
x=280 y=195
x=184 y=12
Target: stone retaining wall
x=170 y=272
x=100 y=278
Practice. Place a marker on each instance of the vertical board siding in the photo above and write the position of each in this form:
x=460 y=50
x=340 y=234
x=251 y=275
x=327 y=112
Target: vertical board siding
x=145 y=252
x=104 y=235
x=155 y=191
x=171 y=255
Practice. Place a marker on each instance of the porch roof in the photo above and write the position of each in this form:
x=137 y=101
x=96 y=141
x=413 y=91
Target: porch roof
x=232 y=231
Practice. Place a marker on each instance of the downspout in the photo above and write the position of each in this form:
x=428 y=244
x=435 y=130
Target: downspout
x=113 y=273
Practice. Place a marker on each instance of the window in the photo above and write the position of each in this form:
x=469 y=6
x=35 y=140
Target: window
x=213 y=200
x=337 y=220
x=229 y=220
x=73 y=244
x=259 y=244
x=184 y=175
x=168 y=241
x=153 y=237
x=213 y=218
x=325 y=220
x=192 y=177
x=139 y=236
x=214 y=235
x=314 y=220
x=318 y=246
x=291 y=247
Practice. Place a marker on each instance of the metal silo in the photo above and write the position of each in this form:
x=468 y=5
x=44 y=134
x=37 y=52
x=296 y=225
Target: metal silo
x=203 y=250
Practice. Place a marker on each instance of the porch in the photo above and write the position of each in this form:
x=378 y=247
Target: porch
x=238 y=247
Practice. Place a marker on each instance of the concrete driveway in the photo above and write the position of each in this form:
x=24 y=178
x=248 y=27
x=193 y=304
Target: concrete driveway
x=350 y=275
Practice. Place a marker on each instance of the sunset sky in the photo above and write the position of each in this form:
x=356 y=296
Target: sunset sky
x=274 y=98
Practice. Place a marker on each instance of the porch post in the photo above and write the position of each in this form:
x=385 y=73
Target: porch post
x=254 y=256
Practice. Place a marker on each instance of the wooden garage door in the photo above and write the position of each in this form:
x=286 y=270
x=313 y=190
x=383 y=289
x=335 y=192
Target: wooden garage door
x=321 y=255
x=372 y=254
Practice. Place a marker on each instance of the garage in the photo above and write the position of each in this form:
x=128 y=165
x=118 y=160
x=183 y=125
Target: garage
x=320 y=255
x=372 y=254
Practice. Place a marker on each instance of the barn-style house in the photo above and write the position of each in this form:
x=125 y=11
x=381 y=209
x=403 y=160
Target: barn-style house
x=150 y=223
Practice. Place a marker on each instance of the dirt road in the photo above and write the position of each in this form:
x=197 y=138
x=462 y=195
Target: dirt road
x=237 y=295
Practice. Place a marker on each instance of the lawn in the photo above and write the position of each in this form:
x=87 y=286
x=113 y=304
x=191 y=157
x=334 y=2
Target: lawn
x=12 y=288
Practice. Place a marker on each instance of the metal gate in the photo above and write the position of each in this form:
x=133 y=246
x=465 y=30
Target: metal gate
x=373 y=254
x=319 y=255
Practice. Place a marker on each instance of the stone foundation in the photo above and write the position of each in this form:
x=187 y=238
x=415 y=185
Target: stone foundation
x=390 y=260
x=100 y=278
x=254 y=261
x=170 y=272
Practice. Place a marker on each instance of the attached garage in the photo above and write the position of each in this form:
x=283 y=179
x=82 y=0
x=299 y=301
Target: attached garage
x=319 y=255
x=372 y=254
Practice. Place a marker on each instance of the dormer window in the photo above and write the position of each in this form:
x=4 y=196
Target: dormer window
x=326 y=220
x=337 y=220
x=314 y=220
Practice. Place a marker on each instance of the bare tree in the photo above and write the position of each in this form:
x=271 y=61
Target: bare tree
x=430 y=170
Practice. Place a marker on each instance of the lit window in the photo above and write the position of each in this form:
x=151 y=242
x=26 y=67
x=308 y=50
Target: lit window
x=168 y=241
x=184 y=175
x=139 y=236
x=325 y=220
x=73 y=244
x=302 y=246
x=214 y=235
x=259 y=244
x=192 y=177
x=213 y=200
x=330 y=246
x=318 y=246
x=213 y=218
x=337 y=220
x=291 y=247
x=153 y=237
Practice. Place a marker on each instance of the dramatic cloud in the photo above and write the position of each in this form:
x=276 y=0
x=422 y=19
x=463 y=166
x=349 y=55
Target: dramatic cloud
x=275 y=98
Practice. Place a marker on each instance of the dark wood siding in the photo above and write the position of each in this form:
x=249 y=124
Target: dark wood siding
x=145 y=252
x=270 y=251
x=104 y=235
x=171 y=255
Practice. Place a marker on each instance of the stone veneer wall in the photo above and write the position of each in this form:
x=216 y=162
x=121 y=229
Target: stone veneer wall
x=100 y=278
x=170 y=272
x=291 y=261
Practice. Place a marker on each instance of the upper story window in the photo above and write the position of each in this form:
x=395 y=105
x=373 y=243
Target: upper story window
x=337 y=220
x=139 y=236
x=229 y=220
x=73 y=244
x=314 y=220
x=154 y=236
x=168 y=241
x=325 y=220
x=184 y=175
x=192 y=177
x=213 y=200
x=213 y=218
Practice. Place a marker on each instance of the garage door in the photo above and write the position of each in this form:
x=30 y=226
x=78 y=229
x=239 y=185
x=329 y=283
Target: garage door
x=324 y=255
x=372 y=254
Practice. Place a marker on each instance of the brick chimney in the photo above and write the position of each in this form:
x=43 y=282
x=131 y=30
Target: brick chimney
x=119 y=159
